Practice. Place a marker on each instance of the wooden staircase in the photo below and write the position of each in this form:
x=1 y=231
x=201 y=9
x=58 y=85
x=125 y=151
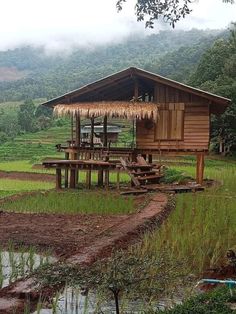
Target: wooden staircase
x=142 y=173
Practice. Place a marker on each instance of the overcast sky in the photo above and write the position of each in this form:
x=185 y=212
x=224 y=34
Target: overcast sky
x=61 y=24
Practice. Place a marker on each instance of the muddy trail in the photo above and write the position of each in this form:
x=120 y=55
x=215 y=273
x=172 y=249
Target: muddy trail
x=75 y=239
x=27 y=176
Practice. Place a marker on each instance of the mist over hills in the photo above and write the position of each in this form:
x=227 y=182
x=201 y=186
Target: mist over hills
x=28 y=73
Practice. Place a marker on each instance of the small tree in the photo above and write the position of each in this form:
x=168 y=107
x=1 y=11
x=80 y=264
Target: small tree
x=133 y=276
x=26 y=116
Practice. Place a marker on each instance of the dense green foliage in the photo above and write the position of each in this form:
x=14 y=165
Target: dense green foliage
x=213 y=302
x=23 y=118
x=216 y=72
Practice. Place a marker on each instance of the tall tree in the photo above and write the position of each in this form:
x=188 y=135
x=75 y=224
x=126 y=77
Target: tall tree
x=216 y=73
x=170 y=11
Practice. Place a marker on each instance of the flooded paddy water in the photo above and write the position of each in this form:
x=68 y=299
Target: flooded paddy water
x=15 y=265
x=72 y=301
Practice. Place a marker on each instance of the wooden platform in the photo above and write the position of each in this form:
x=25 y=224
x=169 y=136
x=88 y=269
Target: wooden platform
x=72 y=167
x=174 y=188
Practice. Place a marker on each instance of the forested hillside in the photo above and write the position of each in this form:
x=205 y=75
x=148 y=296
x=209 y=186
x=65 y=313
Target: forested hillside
x=29 y=73
x=205 y=59
x=216 y=72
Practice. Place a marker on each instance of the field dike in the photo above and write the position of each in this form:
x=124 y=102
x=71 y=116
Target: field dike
x=14 y=297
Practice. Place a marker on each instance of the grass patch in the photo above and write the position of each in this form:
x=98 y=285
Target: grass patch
x=11 y=187
x=213 y=302
x=21 y=166
x=173 y=175
x=69 y=202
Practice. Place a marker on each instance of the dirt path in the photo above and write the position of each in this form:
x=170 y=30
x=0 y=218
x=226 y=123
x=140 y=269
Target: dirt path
x=63 y=235
x=78 y=239
x=27 y=176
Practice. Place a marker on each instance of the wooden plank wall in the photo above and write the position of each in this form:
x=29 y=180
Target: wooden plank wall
x=196 y=123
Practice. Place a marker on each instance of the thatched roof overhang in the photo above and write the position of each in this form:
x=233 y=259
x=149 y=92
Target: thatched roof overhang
x=112 y=109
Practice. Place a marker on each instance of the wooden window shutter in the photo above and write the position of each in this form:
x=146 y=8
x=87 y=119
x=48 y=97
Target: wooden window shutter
x=162 y=125
x=170 y=125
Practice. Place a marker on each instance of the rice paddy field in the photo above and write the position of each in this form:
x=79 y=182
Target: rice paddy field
x=92 y=202
x=202 y=227
x=197 y=234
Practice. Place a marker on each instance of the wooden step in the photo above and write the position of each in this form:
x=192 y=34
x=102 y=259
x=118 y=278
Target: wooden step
x=134 y=191
x=143 y=173
x=156 y=176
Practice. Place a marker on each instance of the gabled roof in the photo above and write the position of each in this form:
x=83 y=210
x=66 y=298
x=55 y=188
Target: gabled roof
x=120 y=85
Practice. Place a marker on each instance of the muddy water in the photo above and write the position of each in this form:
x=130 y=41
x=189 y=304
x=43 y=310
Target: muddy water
x=72 y=302
x=14 y=265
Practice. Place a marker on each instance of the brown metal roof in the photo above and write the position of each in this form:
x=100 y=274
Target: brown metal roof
x=123 y=81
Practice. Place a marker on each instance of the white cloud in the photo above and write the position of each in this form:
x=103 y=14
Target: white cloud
x=62 y=24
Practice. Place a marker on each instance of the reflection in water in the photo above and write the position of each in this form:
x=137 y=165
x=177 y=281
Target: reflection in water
x=14 y=265
x=71 y=301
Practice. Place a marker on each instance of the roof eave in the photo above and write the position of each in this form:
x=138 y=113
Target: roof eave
x=136 y=71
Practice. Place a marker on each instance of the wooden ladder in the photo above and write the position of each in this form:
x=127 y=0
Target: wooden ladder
x=141 y=173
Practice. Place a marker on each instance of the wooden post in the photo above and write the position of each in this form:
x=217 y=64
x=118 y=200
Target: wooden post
x=88 y=173
x=200 y=168
x=92 y=132
x=118 y=178
x=106 y=179
x=136 y=94
x=100 y=177
x=72 y=129
x=58 y=178
x=88 y=179
x=66 y=171
x=77 y=143
x=105 y=131
x=72 y=178
x=150 y=158
x=77 y=128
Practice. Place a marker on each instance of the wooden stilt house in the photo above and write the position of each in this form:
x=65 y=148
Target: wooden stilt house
x=168 y=117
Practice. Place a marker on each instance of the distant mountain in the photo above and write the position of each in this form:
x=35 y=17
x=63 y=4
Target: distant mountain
x=29 y=73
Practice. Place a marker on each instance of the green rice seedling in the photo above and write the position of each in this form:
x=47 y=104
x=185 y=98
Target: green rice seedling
x=55 y=302
x=31 y=259
x=26 y=309
x=17 y=264
x=202 y=227
x=86 y=304
x=39 y=307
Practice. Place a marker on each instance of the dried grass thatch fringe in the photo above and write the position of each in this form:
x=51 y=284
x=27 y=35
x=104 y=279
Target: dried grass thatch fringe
x=115 y=109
